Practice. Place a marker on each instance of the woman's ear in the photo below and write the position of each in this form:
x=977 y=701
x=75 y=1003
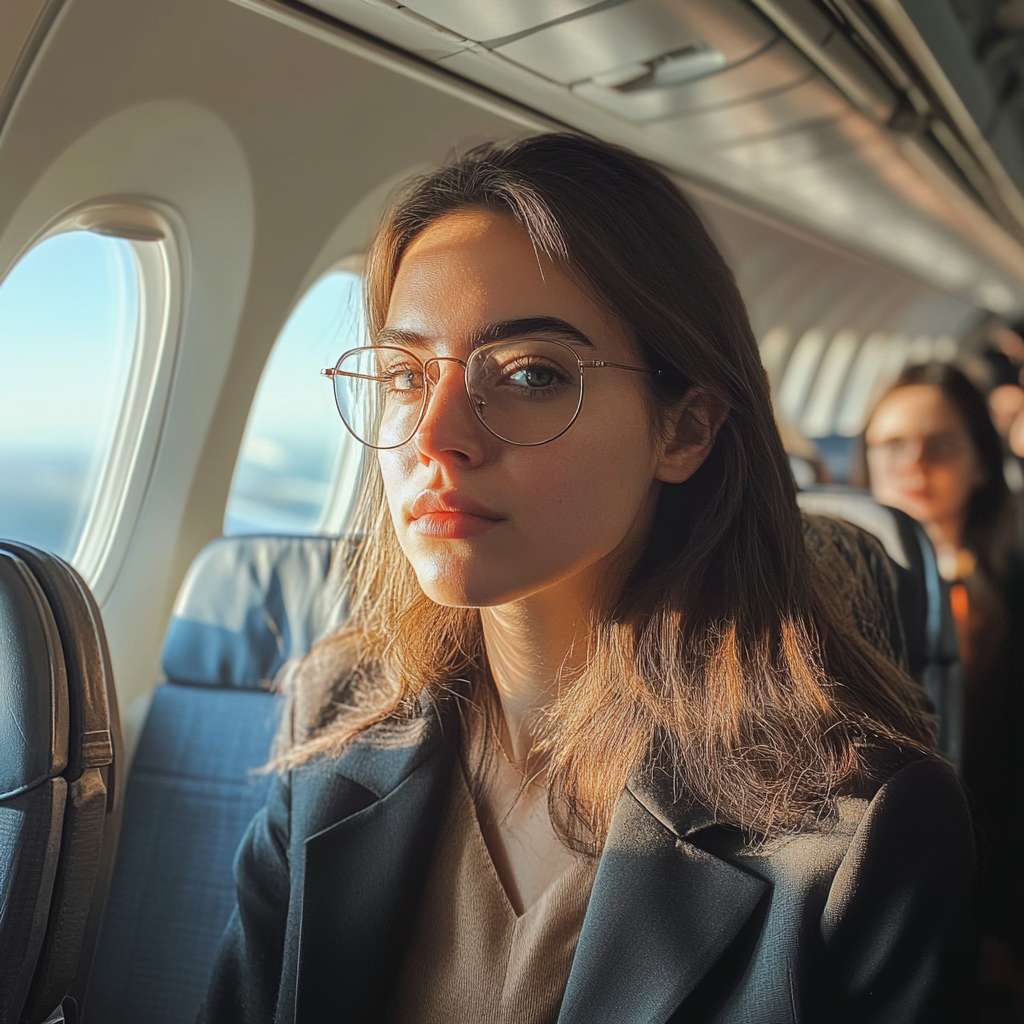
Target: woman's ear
x=691 y=426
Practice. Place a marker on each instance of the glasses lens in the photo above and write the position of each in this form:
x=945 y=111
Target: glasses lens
x=380 y=394
x=526 y=392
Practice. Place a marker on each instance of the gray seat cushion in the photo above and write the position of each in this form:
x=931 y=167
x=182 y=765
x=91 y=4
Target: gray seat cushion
x=58 y=802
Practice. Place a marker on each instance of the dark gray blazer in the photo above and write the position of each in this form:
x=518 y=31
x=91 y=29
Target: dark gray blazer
x=866 y=924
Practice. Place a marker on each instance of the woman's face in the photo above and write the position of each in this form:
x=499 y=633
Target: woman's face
x=920 y=457
x=482 y=521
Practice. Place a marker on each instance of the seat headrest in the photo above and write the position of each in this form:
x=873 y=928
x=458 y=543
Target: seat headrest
x=33 y=684
x=862 y=510
x=246 y=606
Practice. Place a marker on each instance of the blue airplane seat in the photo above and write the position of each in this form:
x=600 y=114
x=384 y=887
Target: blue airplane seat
x=922 y=602
x=246 y=606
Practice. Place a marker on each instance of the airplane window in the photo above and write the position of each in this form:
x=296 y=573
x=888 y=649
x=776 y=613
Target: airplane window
x=945 y=349
x=897 y=349
x=828 y=384
x=920 y=349
x=69 y=324
x=799 y=373
x=861 y=384
x=297 y=466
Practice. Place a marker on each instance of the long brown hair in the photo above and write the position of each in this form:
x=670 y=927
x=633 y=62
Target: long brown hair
x=724 y=654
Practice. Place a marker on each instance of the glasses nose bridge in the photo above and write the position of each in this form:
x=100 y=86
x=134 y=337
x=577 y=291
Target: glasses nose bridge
x=432 y=382
x=441 y=359
x=911 y=454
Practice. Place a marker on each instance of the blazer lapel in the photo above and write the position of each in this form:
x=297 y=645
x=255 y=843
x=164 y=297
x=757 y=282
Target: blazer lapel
x=661 y=912
x=363 y=879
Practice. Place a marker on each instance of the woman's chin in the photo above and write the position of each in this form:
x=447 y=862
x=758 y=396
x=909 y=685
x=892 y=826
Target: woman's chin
x=458 y=587
x=463 y=596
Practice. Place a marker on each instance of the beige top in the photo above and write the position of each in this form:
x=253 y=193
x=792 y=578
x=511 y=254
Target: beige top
x=470 y=958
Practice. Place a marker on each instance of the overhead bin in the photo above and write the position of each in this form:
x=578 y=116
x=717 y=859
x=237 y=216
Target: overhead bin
x=641 y=39
x=770 y=71
x=491 y=22
x=805 y=103
x=770 y=101
x=807 y=25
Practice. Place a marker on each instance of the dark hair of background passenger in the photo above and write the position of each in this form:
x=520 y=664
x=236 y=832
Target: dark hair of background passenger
x=988 y=523
x=723 y=651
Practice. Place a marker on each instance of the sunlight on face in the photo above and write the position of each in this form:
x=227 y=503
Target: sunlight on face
x=482 y=521
x=920 y=456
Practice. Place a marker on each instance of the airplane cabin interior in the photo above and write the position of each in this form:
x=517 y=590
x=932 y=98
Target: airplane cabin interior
x=187 y=192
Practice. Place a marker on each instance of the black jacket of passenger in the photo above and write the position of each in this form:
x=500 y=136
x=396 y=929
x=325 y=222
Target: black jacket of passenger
x=866 y=923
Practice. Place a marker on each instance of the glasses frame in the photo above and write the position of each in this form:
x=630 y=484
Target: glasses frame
x=477 y=353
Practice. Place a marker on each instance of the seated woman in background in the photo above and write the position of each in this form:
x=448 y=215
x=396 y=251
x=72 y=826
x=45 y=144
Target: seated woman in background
x=933 y=452
x=596 y=743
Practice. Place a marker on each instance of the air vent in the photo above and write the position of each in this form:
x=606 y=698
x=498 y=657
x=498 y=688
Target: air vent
x=648 y=96
x=672 y=69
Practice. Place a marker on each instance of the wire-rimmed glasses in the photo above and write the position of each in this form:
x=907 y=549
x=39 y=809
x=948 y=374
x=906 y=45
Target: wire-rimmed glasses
x=526 y=392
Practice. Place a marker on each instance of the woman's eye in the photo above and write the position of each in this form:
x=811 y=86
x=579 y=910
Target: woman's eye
x=534 y=376
x=403 y=378
x=944 y=449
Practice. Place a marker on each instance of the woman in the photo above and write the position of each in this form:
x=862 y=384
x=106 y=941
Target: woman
x=595 y=744
x=934 y=453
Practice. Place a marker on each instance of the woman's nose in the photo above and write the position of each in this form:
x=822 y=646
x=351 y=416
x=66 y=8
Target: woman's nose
x=449 y=431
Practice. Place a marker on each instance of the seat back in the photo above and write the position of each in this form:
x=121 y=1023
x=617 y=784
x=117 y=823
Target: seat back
x=60 y=801
x=246 y=606
x=933 y=652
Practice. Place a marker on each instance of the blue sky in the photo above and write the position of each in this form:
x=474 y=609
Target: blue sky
x=294 y=436
x=68 y=318
x=294 y=404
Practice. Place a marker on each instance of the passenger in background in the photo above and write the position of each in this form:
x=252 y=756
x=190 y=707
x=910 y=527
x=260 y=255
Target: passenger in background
x=1005 y=403
x=933 y=452
x=1006 y=407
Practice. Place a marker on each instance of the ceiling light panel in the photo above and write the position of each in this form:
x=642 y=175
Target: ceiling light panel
x=637 y=33
x=482 y=20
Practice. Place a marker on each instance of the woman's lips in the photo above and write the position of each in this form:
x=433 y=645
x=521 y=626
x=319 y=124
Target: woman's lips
x=914 y=494
x=450 y=515
x=451 y=525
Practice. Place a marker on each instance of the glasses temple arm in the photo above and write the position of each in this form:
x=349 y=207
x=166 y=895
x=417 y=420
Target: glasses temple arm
x=332 y=372
x=599 y=363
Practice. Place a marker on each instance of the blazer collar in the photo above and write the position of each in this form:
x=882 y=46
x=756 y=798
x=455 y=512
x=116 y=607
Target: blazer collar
x=661 y=912
x=381 y=762
x=365 y=872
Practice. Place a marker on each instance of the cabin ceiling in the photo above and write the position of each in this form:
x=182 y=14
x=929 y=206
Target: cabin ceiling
x=818 y=112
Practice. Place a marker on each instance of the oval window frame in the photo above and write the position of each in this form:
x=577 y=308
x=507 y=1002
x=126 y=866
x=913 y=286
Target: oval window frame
x=340 y=504
x=156 y=236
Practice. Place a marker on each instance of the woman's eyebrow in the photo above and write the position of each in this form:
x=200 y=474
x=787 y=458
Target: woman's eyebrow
x=399 y=338
x=525 y=326
x=520 y=327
